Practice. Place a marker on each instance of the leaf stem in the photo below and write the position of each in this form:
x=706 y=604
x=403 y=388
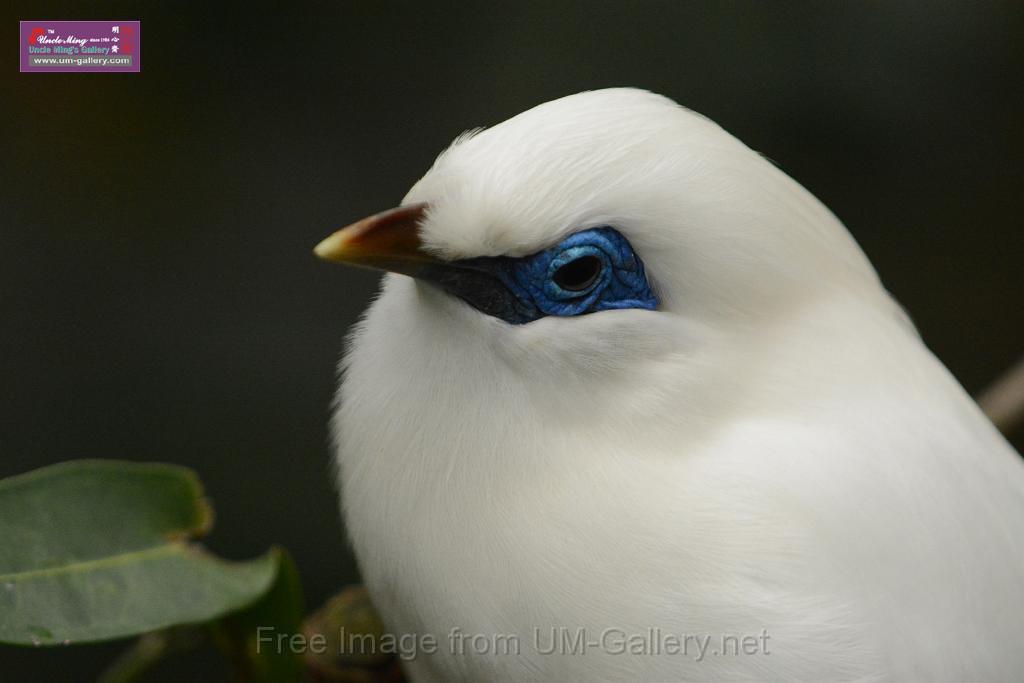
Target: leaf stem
x=146 y=651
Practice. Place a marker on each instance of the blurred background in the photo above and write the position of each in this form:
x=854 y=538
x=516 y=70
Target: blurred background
x=158 y=296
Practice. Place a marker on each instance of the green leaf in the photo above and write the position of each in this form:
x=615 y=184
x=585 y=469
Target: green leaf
x=94 y=550
x=250 y=637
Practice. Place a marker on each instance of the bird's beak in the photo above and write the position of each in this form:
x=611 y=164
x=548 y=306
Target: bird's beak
x=390 y=241
x=385 y=241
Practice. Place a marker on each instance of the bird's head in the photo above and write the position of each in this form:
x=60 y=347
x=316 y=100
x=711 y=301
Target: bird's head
x=595 y=234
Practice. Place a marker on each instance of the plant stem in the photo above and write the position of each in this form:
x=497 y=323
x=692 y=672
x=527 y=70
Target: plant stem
x=1003 y=400
x=146 y=651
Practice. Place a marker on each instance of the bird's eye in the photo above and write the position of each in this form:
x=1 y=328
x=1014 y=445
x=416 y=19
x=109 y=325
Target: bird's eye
x=578 y=274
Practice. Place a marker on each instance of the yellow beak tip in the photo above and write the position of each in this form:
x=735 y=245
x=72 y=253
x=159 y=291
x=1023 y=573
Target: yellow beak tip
x=330 y=248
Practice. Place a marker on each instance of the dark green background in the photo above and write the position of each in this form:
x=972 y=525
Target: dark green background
x=158 y=298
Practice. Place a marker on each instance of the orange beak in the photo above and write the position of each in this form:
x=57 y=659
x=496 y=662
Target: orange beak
x=390 y=241
x=385 y=241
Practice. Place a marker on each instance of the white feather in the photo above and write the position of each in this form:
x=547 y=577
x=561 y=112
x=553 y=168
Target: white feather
x=774 y=448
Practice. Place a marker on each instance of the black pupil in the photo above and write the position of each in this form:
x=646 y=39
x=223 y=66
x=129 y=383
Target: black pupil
x=575 y=276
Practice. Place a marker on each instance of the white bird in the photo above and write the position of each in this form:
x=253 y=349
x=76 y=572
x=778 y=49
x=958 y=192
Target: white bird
x=643 y=387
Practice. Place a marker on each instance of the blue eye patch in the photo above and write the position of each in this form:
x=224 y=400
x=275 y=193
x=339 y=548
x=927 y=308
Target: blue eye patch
x=589 y=271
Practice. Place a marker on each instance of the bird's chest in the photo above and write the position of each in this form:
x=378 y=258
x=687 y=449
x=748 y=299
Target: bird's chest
x=453 y=550
x=511 y=571
x=508 y=569
x=486 y=559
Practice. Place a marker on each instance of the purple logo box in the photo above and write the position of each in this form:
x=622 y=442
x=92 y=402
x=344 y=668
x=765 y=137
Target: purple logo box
x=81 y=46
